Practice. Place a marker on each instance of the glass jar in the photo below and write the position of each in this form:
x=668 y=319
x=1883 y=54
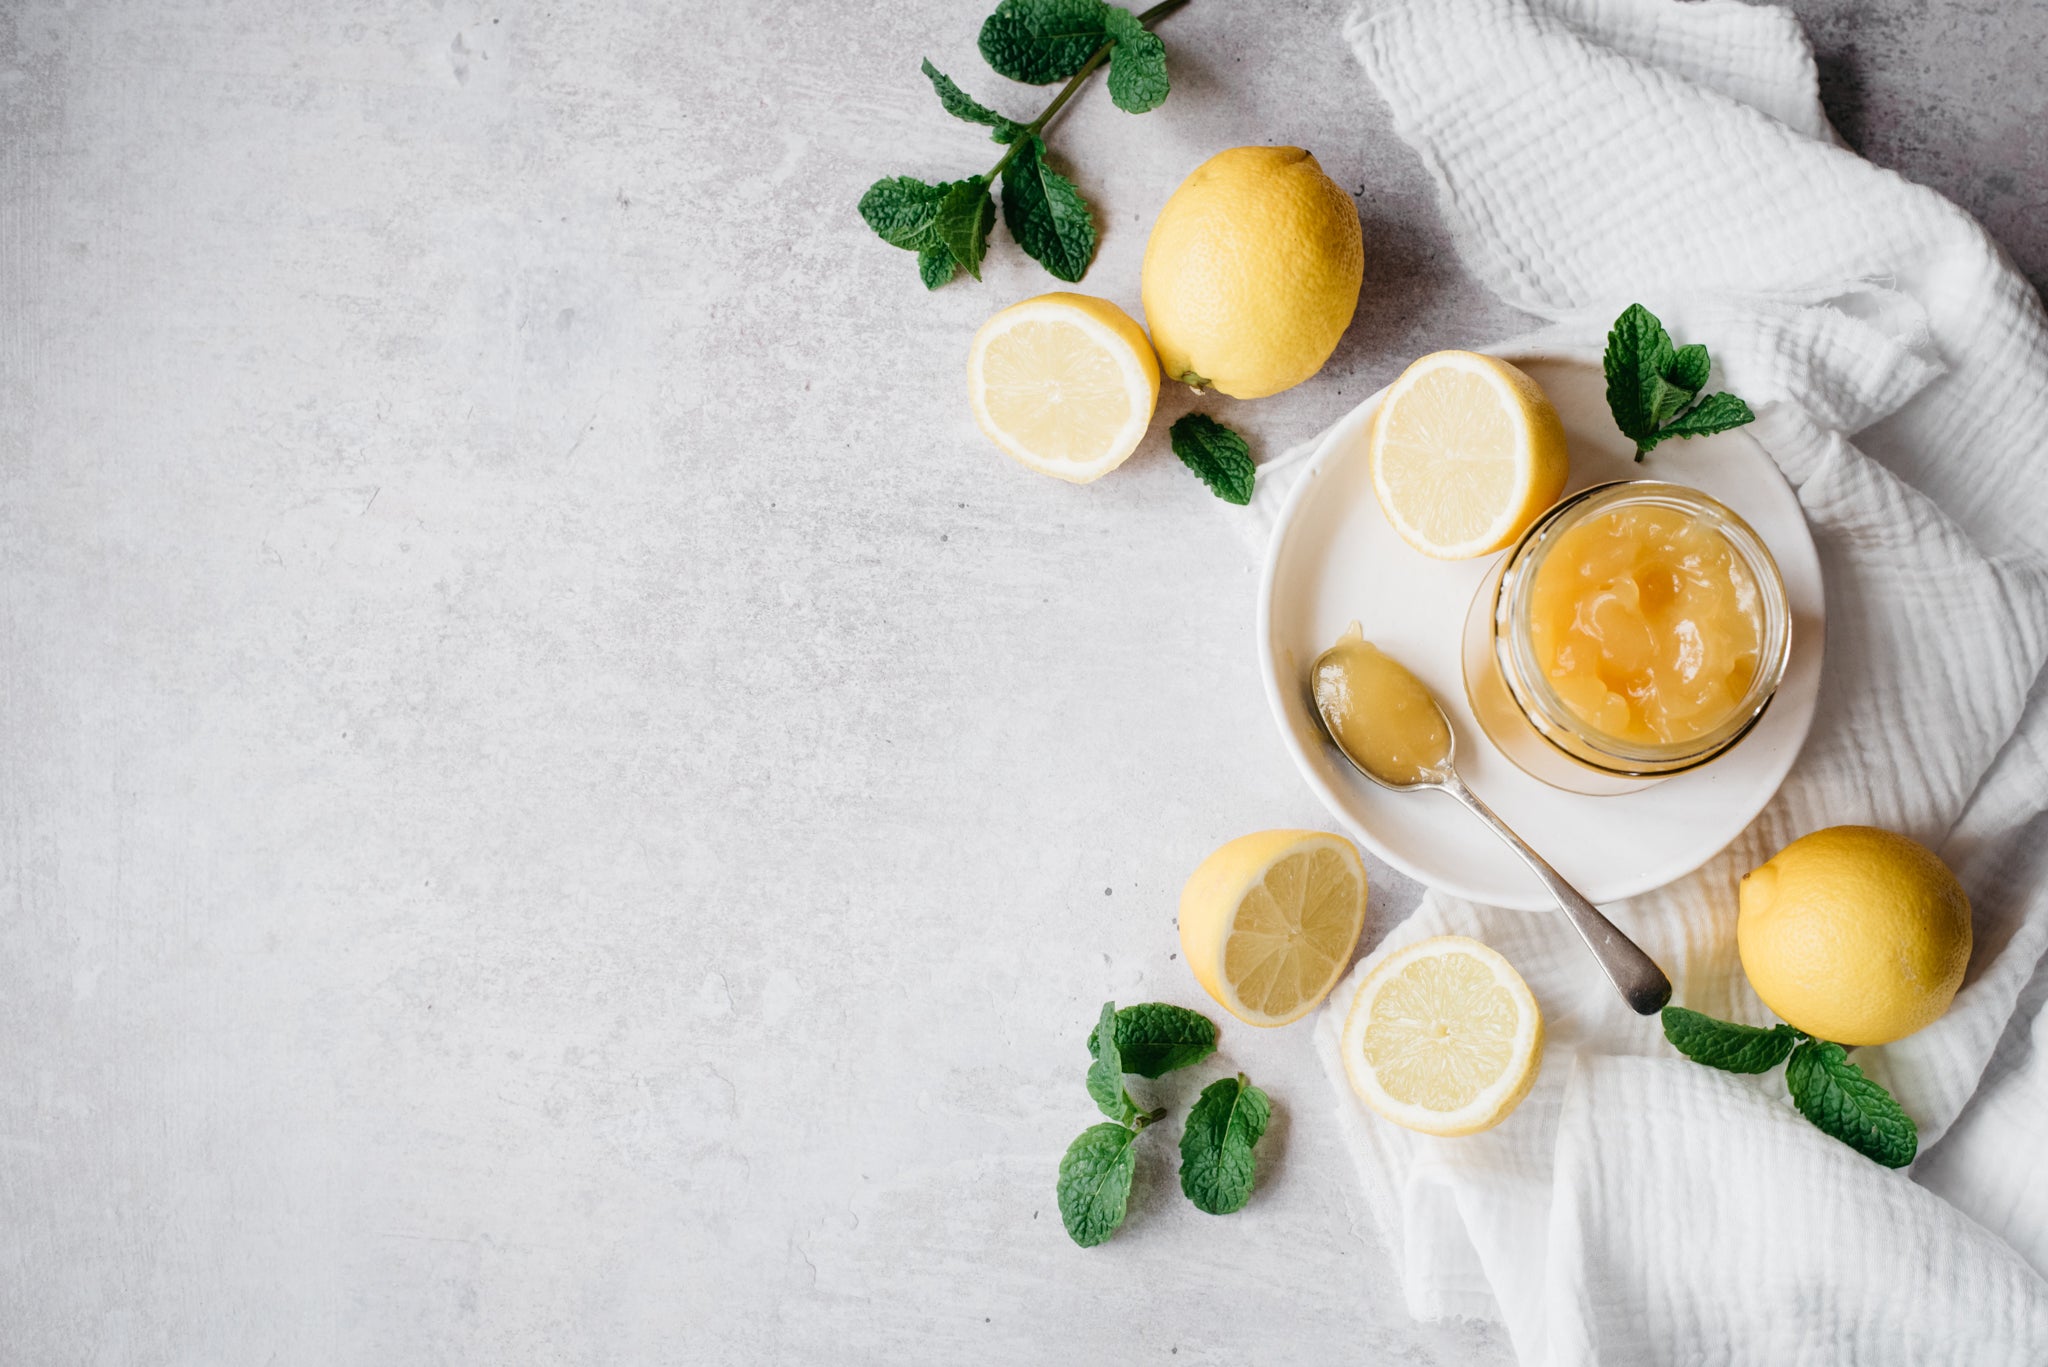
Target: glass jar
x=1515 y=699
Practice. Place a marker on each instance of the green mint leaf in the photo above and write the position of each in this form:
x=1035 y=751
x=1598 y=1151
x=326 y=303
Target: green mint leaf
x=1688 y=368
x=936 y=266
x=1835 y=1095
x=1216 y=1163
x=1095 y=1182
x=1154 y=1038
x=1638 y=354
x=1137 y=64
x=1715 y=413
x=1725 y=1045
x=962 y=105
x=965 y=215
x=1046 y=214
x=1217 y=454
x=1106 y=1073
x=903 y=210
x=1042 y=41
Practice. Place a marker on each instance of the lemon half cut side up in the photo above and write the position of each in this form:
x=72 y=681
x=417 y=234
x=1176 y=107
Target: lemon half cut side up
x=1064 y=384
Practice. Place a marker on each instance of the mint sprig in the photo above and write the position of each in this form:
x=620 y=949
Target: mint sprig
x=1829 y=1090
x=1217 y=1167
x=1096 y=1171
x=1218 y=456
x=1653 y=386
x=1216 y=1164
x=1038 y=42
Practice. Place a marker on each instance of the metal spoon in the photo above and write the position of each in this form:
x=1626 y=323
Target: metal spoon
x=1634 y=974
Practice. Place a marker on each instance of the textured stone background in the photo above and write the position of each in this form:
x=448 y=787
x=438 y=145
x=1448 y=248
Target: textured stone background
x=559 y=804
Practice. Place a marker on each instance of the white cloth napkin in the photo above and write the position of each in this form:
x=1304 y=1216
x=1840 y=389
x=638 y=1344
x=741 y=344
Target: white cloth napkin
x=1639 y=1208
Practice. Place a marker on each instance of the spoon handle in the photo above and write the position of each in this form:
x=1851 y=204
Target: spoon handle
x=1635 y=974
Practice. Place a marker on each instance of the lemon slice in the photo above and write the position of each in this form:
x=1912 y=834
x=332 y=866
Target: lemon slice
x=1443 y=1037
x=1268 y=922
x=1466 y=452
x=1064 y=383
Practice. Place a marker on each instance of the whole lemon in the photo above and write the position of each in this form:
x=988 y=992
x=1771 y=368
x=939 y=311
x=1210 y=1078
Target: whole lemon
x=1854 y=934
x=1252 y=272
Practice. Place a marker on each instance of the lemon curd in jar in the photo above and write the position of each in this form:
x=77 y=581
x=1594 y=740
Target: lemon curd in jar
x=1638 y=629
x=1647 y=623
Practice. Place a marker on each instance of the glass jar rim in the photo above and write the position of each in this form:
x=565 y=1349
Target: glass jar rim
x=1533 y=692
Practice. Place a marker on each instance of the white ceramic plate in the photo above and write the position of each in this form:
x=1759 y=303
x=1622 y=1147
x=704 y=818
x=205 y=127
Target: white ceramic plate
x=1334 y=558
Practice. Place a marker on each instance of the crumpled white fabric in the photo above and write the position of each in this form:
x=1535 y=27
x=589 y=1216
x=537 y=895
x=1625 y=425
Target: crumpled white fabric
x=1639 y=1208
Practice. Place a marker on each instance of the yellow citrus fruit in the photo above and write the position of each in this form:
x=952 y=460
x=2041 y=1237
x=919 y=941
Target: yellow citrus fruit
x=1252 y=272
x=1854 y=934
x=1064 y=383
x=1443 y=1037
x=1466 y=452
x=1268 y=922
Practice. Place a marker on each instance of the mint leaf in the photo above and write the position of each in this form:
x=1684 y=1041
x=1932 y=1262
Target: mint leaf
x=1106 y=1073
x=902 y=211
x=962 y=105
x=1137 y=64
x=1095 y=1182
x=1216 y=1163
x=1835 y=1095
x=1041 y=41
x=1155 y=1038
x=1638 y=354
x=1688 y=368
x=1046 y=214
x=1725 y=1045
x=936 y=266
x=964 y=217
x=1715 y=413
x=1218 y=455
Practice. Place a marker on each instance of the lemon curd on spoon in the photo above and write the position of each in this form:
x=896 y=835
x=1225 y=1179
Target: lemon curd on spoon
x=1381 y=715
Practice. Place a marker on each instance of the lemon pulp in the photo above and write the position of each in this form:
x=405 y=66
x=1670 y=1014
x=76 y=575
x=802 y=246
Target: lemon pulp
x=1443 y=1036
x=1440 y=1033
x=1064 y=383
x=1269 y=920
x=1466 y=453
x=1048 y=382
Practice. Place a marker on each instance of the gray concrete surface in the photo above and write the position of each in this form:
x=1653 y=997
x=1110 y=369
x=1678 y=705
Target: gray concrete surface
x=559 y=804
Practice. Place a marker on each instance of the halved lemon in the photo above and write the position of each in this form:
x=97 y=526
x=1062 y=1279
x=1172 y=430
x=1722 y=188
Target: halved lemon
x=1065 y=383
x=1443 y=1037
x=1466 y=452
x=1268 y=922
